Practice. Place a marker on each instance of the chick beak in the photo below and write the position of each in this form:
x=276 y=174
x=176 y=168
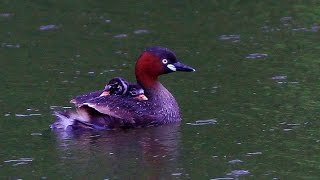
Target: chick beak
x=105 y=93
x=141 y=97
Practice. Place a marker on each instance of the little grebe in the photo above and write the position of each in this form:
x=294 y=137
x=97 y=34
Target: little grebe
x=117 y=86
x=114 y=111
x=120 y=86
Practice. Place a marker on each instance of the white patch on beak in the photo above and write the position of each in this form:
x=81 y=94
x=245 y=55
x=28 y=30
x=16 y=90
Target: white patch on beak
x=172 y=67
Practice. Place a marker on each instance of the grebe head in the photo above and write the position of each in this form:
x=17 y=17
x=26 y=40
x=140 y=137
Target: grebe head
x=156 y=61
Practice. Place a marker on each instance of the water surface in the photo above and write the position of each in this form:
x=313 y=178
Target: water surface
x=251 y=111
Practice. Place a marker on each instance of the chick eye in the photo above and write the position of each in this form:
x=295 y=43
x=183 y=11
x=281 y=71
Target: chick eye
x=133 y=93
x=164 y=61
x=120 y=88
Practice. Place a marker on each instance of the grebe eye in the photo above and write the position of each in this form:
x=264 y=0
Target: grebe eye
x=164 y=61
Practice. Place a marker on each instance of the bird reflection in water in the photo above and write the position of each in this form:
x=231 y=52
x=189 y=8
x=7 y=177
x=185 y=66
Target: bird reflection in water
x=134 y=153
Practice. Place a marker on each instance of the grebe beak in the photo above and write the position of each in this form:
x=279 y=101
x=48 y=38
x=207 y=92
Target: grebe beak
x=141 y=97
x=183 y=67
x=105 y=93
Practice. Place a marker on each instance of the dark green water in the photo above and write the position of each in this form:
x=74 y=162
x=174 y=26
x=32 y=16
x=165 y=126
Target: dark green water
x=257 y=76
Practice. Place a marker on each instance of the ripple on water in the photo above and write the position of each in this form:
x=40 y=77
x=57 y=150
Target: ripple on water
x=48 y=27
x=10 y=45
x=282 y=79
x=55 y=107
x=36 y=134
x=17 y=162
x=289 y=126
x=141 y=31
x=176 y=174
x=270 y=29
x=279 y=77
x=52 y=107
x=257 y=56
x=6 y=15
x=288 y=24
x=67 y=107
x=313 y=28
x=32 y=112
x=230 y=37
x=120 y=36
x=203 y=122
x=235 y=161
x=105 y=20
x=286 y=20
x=253 y=153
x=237 y=173
x=27 y=115
x=109 y=70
